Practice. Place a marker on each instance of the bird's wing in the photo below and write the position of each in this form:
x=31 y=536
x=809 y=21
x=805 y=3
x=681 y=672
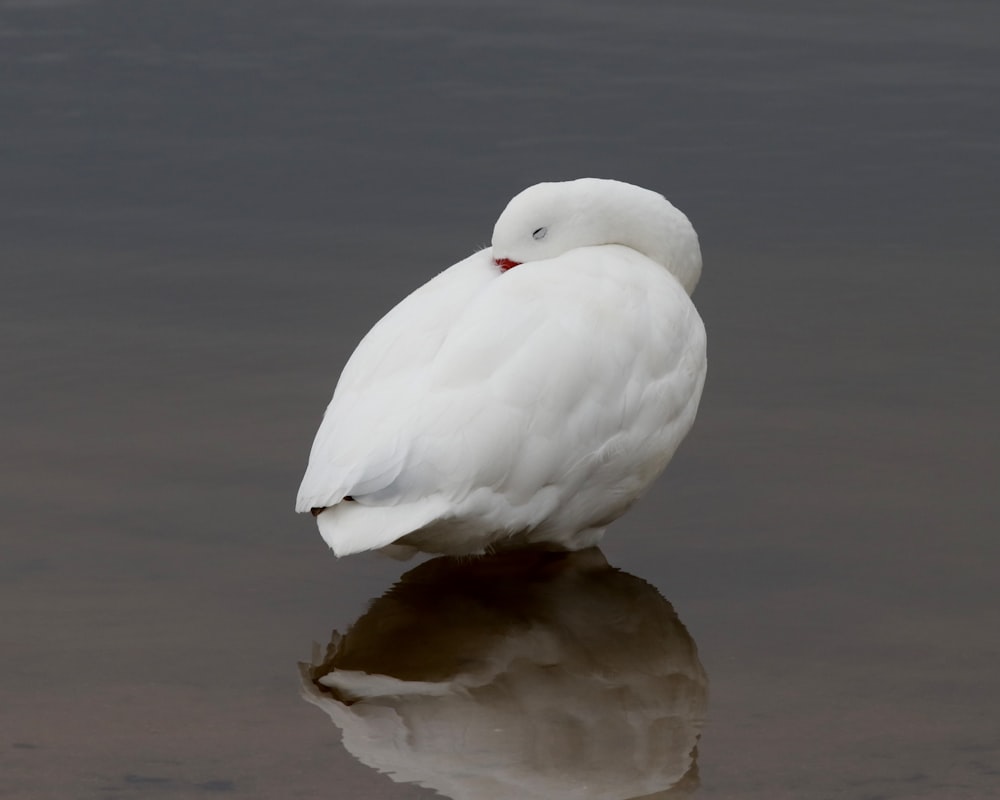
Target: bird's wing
x=357 y=448
x=490 y=383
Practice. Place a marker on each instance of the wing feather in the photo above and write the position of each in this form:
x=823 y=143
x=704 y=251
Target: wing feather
x=479 y=385
x=360 y=446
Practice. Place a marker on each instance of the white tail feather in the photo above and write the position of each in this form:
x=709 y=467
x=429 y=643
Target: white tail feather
x=352 y=527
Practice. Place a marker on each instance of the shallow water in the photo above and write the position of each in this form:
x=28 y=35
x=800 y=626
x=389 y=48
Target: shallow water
x=202 y=210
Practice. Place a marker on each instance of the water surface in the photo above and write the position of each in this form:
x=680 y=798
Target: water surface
x=203 y=207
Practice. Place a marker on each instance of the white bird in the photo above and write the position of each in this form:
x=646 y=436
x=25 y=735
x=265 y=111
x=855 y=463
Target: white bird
x=530 y=393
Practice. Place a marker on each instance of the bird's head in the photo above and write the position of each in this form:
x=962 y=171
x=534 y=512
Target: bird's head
x=549 y=219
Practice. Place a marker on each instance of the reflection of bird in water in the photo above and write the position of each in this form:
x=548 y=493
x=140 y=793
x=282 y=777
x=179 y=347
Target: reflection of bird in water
x=522 y=675
x=528 y=394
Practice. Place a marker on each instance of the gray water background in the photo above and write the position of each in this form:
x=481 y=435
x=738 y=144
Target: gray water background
x=203 y=206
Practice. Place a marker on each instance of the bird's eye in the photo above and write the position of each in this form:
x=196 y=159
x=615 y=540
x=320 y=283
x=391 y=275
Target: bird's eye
x=539 y=233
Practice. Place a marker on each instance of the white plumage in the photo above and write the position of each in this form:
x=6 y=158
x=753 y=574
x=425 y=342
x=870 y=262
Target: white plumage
x=528 y=394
